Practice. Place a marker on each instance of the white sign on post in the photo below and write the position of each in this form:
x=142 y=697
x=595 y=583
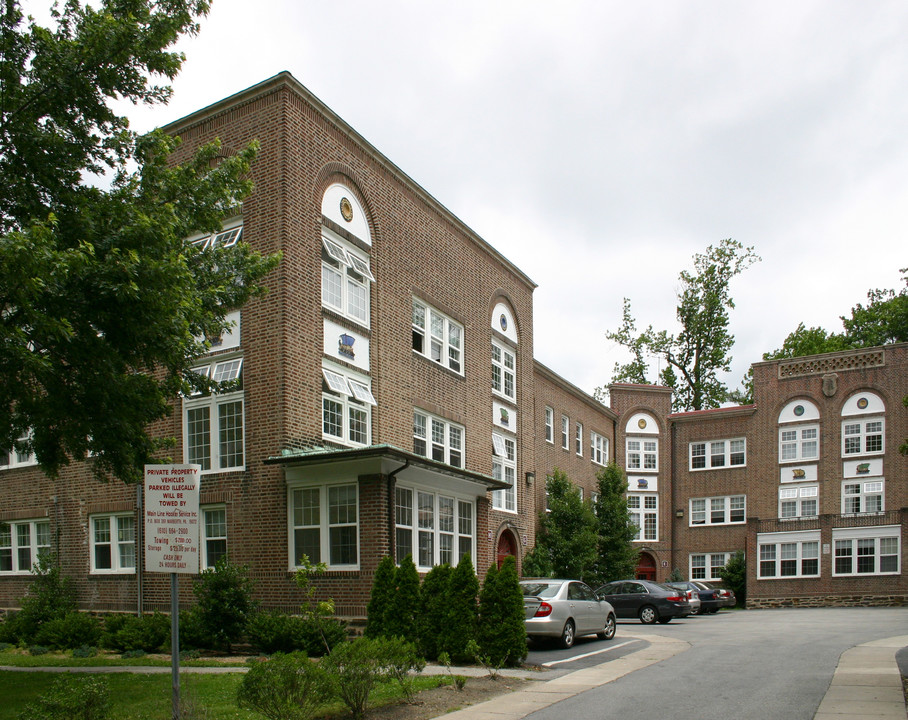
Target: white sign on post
x=172 y=518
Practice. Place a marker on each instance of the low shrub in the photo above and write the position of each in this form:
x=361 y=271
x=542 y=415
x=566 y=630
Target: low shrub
x=283 y=687
x=131 y=654
x=271 y=632
x=84 y=651
x=38 y=650
x=70 y=631
x=86 y=697
x=150 y=633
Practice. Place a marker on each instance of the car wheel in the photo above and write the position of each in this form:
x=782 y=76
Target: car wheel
x=648 y=615
x=665 y=620
x=567 y=634
x=702 y=611
x=608 y=632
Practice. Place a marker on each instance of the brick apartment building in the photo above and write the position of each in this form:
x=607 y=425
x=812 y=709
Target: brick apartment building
x=384 y=400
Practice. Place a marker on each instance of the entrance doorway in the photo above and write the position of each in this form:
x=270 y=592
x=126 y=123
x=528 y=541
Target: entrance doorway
x=507 y=545
x=646 y=567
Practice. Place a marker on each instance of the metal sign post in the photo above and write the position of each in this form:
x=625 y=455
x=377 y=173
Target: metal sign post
x=171 y=541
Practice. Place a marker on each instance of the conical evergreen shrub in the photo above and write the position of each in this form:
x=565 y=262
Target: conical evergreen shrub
x=433 y=608
x=400 y=621
x=502 y=634
x=461 y=616
x=381 y=597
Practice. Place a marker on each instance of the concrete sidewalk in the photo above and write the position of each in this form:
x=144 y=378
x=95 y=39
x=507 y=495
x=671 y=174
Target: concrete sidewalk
x=867 y=684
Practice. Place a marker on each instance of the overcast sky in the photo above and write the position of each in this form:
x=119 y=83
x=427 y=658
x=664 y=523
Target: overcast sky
x=599 y=145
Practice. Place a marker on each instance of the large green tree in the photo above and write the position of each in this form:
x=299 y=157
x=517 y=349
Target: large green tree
x=617 y=555
x=694 y=357
x=103 y=305
x=567 y=539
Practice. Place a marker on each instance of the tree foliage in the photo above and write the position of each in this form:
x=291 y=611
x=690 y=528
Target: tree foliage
x=617 y=556
x=734 y=577
x=502 y=634
x=400 y=618
x=567 y=534
x=224 y=602
x=433 y=607
x=462 y=611
x=694 y=357
x=103 y=304
x=381 y=597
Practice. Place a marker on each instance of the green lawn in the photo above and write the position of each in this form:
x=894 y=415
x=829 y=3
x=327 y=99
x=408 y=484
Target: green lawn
x=148 y=697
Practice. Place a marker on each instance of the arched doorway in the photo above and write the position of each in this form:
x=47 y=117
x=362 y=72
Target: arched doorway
x=507 y=545
x=646 y=567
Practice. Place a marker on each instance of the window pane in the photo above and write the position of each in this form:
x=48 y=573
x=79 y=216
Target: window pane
x=198 y=436
x=230 y=426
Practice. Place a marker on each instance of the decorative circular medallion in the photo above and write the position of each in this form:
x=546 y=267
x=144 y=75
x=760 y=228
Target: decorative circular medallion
x=346 y=209
x=799 y=410
x=641 y=423
x=863 y=403
x=503 y=321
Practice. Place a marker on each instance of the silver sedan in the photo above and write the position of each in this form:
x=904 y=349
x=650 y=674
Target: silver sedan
x=565 y=610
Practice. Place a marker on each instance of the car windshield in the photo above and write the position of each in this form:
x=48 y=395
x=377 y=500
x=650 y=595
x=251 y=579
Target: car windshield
x=540 y=589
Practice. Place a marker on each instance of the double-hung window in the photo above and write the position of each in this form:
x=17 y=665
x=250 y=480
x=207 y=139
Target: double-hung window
x=437 y=337
x=864 y=496
x=214 y=535
x=707 y=566
x=503 y=371
x=799 y=443
x=432 y=527
x=113 y=543
x=17 y=458
x=642 y=454
x=799 y=501
x=213 y=434
x=347 y=402
x=504 y=467
x=549 y=425
x=788 y=555
x=598 y=449
x=565 y=428
x=717 y=454
x=22 y=543
x=578 y=439
x=644 y=513
x=346 y=277
x=717 y=510
x=867 y=551
x=438 y=439
x=862 y=437
x=324 y=525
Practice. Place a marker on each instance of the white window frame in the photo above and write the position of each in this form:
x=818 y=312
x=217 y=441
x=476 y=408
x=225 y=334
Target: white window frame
x=504 y=371
x=799 y=443
x=644 y=507
x=13 y=548
x=451 y=449
x=225 y=238
x=781 y=549
x=504 y=468
x=326 y=522
x=119 y=547
x=565 y=432
x=799 y=495
x=870 y=440
x=420 y=519
x=350 y=295
x=870 y=496
x=717 y=454
x=854 y=543
x=702 y=511
x=704 y=566
x=11 y=459
x=549 y=425
x=578 y=439
x=228 y=371
x=208 y=537
x=444 y=346
x=351 y=394
x=598 y=449
x=642 y=454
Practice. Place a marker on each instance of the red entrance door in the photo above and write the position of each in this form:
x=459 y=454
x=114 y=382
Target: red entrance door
x=507 y=545
x=646 y=567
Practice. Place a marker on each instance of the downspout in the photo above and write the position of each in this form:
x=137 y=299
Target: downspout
x=392 y=484
x=140 y=543
x=671 y=516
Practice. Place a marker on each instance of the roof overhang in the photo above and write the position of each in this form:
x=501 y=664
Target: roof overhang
x=383 y=460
